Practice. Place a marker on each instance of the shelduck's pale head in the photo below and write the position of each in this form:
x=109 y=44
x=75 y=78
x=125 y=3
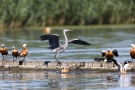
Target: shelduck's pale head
x=24 y=45
x=2 y=45
x=13 y=47
x=133 y=45
x=109 y=49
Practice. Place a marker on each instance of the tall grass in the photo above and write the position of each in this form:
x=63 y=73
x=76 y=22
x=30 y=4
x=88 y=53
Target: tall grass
x=19 y=13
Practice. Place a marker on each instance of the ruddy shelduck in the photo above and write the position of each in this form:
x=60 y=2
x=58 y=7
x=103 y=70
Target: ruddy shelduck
x=132 y=52
x=110 y=53
x=15 y=53
x=65 y=69
x=24 y=52
x=47 y=30
x=3 y=51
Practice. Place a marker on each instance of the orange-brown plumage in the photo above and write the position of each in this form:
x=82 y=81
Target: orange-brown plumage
x=47 y=30
x=14 y=52
x=109 y=54
x=65 y=69
x=3 y=51
x=132 y=52
x=24 y=52
x=123 y=71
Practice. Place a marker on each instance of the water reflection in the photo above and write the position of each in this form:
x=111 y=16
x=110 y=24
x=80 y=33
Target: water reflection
x=64 y=75
x=53 y=80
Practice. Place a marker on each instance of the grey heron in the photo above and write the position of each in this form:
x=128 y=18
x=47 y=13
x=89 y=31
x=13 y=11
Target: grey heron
x=57 y=47
x=110 y=53
x=132 y=52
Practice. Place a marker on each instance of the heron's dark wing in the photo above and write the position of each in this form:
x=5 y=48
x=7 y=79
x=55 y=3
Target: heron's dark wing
x=48 y=36
x=53 y=40
x=115 y=52
x=103 y=53
x=78 y=41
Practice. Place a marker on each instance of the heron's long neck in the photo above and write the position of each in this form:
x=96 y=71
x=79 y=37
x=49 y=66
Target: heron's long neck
x=66 y=39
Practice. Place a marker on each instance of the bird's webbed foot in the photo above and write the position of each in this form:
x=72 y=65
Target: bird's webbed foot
x=58 y=63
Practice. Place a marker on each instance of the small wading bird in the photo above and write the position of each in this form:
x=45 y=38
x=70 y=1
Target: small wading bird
x=109 y=54
x=3 y=51
x=24 y=52
x=123 y=69
x=132 y=52
x=65 y=69
x=14 y=53
x=57 y=47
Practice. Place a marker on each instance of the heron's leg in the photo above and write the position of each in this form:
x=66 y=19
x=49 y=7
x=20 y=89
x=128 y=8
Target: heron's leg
x=56 y=55
x=58 y=62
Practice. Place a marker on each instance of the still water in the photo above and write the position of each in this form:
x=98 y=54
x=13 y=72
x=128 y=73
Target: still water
x=74 y=80
x=118 y=38
x=101 y=39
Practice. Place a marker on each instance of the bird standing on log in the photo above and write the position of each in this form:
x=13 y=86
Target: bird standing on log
x=24 y=52
x=109 y=54
x=3 y=51
x=56 y=47
x=132 y=52
x=14 y=53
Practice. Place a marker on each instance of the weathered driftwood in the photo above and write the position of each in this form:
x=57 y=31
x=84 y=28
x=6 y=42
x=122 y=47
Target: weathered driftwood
x=48 y=65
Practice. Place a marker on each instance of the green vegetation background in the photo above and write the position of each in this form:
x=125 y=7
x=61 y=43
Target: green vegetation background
x=20 y=13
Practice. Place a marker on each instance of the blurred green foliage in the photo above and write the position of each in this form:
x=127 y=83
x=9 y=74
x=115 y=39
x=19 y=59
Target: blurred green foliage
x=19 y=13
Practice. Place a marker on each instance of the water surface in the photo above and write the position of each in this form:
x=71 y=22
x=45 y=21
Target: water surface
x=101 y=39
x=74 y=80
